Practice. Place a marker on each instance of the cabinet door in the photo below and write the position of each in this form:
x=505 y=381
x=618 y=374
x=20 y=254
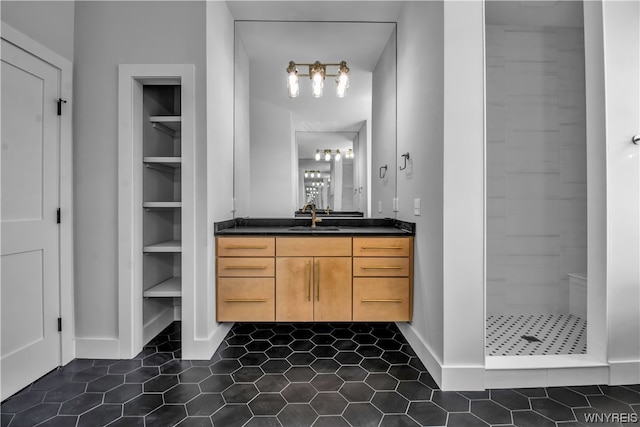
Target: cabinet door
x=332 y=284
x=294 y=289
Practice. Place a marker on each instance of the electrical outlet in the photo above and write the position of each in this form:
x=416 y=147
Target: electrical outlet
x=395 y=205
x=380 y=206
x=416 y=207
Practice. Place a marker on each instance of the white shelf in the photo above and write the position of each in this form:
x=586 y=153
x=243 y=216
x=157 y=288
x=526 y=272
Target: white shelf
x=171 y=162
x=167 y=124
x=168 y=246
x=162 y=205
x=171 y=287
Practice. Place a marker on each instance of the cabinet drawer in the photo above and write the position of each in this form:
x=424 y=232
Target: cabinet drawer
x=385 y=267
x=246 y=267
x=246 y=299
x=382 y=246
x=246 y=246
x=313 y=246
x=381 y=299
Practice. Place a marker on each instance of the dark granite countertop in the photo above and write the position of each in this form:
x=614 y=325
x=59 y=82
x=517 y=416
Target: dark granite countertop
x=301 y=226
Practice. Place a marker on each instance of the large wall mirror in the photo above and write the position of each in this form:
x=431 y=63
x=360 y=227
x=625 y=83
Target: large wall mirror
x=326 y=150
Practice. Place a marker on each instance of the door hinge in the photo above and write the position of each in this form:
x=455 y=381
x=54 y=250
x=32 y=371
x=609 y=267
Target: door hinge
x=58 y=216
x=60 y=102
x=59 y=324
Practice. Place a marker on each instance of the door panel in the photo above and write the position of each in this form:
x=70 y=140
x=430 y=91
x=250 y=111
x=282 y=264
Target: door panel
x=294 y=289
x=332 y=289
x=30 y=294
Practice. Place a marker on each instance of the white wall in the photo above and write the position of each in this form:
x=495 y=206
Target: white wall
x=420 y=132
x=463 y=198
x=48 y=22
x=536 y=167
x=621 y=31
x=108 y=34
x=242 y=131
x=383 y=131
x=273 y=187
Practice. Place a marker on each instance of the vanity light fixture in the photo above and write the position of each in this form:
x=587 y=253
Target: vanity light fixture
x=349 y=154
x=311 y=174
x=317 y=74
x=337 y=154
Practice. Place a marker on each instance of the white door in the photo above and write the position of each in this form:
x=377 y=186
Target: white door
x=30 y=291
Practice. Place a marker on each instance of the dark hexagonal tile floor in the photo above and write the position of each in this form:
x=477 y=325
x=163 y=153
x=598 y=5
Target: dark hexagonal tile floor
x=294 y=374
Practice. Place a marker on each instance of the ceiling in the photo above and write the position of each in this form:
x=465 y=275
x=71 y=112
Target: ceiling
x=540 y=13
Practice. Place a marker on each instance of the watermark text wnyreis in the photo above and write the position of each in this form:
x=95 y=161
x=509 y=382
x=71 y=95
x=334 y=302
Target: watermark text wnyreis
x=611 y=417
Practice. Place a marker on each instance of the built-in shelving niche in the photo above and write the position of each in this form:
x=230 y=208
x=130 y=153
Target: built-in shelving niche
x=161 y=202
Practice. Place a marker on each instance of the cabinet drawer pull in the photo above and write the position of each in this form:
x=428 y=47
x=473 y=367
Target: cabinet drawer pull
x=246 y=247
x=382 y=247
x=381 y=300
x=245 y=267
x=244 y=300
x=382 y=268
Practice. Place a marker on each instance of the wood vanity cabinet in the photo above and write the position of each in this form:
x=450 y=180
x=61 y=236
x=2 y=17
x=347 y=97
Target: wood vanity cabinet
x=313 y=279
x=318 y=278
x=245 y=279
x=382 y=270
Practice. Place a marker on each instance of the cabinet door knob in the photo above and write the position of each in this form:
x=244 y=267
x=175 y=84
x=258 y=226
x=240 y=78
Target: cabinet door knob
x=636 y=139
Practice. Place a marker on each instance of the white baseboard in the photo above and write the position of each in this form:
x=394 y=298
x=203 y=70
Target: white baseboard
x=545 y=371
x=423 y=351
x=463 y=378
x=97 y=348
x=624 y=372
x=204 y=349
x=157 y=324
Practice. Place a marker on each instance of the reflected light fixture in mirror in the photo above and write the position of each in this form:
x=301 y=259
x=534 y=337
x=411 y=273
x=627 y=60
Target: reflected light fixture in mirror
x=317 y=74
x=337 y=155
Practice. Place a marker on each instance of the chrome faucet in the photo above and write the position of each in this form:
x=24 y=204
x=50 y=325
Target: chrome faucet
x=314 y=220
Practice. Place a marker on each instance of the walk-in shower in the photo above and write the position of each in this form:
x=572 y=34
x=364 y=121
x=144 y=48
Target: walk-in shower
x=536 y=179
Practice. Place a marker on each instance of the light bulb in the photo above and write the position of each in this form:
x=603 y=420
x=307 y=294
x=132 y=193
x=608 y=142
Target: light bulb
x=306 y=174
x=317 y=86
x=317 y=73
x=342 y=80
x=327 y=155
x=293 y=86
x=318 y=155
x=338 y=156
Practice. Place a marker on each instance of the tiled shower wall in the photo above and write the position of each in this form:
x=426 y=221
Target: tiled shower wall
x=536 y=168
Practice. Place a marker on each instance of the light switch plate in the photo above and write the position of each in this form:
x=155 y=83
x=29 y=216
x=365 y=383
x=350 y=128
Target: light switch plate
x=416 y=207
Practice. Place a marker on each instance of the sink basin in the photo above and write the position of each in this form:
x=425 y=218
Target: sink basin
x=309 y=228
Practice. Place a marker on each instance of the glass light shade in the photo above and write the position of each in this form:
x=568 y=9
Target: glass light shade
x=327 y=155
x=317 y=85
x=342 y=84
x=338 y=156
x=318 y=155
x=306 y=174
x=317 y=73
x=293 y=85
